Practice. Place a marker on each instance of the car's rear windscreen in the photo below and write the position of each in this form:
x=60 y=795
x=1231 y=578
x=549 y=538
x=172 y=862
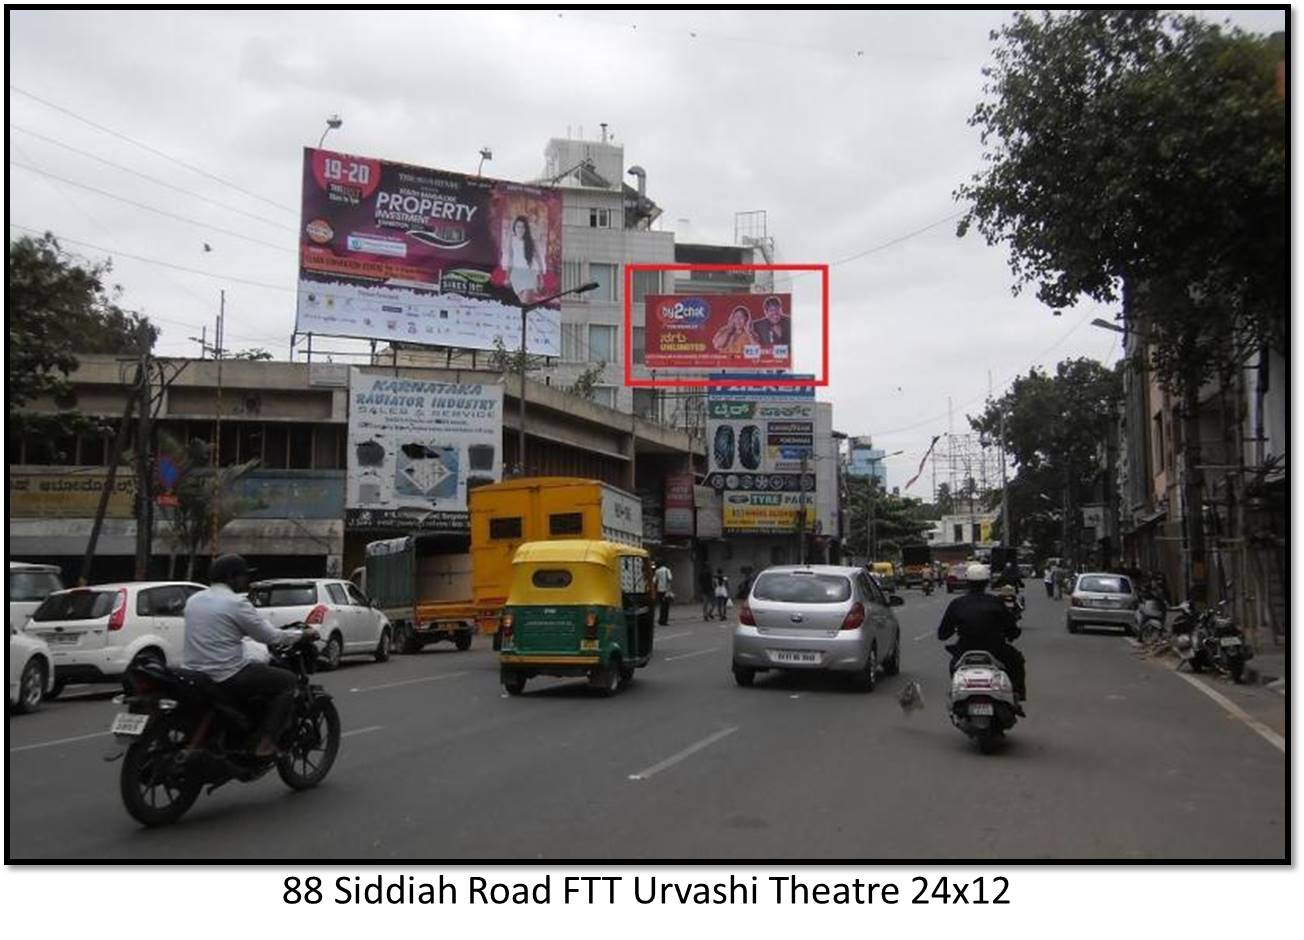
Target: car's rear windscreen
x=796 y=588
x=75 y=605
x=1104 y=585
x=33 y=585
x=284 y=595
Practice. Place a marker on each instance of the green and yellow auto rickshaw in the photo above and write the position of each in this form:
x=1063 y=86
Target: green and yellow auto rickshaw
x=577 y=608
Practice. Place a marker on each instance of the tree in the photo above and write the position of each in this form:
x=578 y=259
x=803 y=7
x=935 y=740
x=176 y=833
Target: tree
x=57 y=307
x=1053 y=426
x=587 y=381
x=897 y=520
x=257 y=354
x=203 y=496
x=1139 y=155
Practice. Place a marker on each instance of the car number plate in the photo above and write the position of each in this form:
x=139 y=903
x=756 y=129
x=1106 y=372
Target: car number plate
x=796 y=657
x=1230 y=641
x=981 y=708
x=57 y=639
x=129 y=724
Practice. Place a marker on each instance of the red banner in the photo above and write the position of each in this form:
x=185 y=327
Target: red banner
x=718 y=331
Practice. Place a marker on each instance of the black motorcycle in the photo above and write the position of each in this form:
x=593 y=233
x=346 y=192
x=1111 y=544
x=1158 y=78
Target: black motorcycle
x=180 y=733
x=1224 y=644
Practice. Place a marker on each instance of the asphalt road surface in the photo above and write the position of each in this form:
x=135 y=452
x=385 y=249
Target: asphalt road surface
x=1119 y=758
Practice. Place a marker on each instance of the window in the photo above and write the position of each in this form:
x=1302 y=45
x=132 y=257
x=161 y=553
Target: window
x=328 y=450
x=646 y=282
x=599 y=218
x=802 y=588
x=357 y=597
x=1102 y=584
x=276 y=443
x=76 y=605
x=283 y=595
x=638 y=343
x=566 y=523
x=605 y=395
x=872 y=591
x=633 y=574
x=167 y=601
x=1160 y=451
x=337 y=595
x=230 y=441
x=94 y=451
x=251 y=441
x=508 y=527
x=602 y=343
x=571 y=275
x=33 y=585
x=974 y=531
x=300 y=446
x=959 y=532
x=551 y=578
x=605 y=276
x=572 y=342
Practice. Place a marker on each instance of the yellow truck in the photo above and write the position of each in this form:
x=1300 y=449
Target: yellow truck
x=441 y=587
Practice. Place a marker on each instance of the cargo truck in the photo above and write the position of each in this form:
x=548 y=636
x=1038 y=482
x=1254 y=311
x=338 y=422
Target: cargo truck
x=440 y=587
x=916 y=560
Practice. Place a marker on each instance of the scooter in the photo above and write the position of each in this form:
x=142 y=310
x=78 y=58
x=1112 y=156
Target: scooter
x=981 y=699
x=1150 y=617
x=927 y=585
x=1187 y=638
x=1014 y=601
x=1224 y=645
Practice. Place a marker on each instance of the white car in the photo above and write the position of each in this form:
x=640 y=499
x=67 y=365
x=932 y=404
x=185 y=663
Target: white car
x=29 y=585
x=344 y=617
x=96 y=632
x=31 y=671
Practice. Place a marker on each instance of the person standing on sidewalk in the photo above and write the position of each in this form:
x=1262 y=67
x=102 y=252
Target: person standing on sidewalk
x=663 y=579
x=721 y=593
x=706 y=584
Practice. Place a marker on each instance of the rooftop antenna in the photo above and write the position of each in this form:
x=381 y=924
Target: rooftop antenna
x=603 y=125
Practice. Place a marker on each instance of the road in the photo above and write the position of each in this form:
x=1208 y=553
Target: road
x=1119 y=758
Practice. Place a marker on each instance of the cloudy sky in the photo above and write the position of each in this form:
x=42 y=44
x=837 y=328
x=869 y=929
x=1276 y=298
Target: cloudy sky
x=849 y=129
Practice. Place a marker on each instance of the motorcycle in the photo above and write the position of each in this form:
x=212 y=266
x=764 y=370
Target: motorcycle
x=981 y=699
x=1186 y=638
x=1150 y=617
x=927 y=585
x=1224 y=644
x=179 y=734
x=1014 y=601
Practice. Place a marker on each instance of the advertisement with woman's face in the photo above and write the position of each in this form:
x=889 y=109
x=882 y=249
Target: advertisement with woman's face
x=719 y=331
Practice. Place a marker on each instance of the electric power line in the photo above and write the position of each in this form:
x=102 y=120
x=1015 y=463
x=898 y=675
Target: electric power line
x=153 y=150
x=157 y=211
x=152 y=179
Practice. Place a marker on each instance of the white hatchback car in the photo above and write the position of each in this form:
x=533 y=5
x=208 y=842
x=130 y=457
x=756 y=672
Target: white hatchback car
x=29 y=585
x=344 y=617
x=96 y=632
x=31 y=671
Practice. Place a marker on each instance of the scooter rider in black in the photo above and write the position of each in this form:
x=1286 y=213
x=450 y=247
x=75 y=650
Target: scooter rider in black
x=979 y=621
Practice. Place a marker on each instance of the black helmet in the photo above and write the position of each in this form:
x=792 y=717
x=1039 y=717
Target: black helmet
x=228 y=569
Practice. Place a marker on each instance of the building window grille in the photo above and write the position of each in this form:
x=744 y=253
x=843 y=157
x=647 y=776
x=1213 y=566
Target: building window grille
x=605 y=276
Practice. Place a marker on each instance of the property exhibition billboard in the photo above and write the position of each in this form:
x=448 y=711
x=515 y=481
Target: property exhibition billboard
x=417 y=448
x=718 y=331
x=762 y=455
x=406 y=253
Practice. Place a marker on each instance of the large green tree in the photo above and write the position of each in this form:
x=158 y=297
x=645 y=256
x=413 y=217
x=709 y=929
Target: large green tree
x=1138 y=156
x=57 y=307
x=898 y=520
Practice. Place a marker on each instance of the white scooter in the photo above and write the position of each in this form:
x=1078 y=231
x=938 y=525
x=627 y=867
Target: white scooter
x=981 y=699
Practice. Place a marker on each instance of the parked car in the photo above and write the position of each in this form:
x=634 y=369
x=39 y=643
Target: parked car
x=96 y=632
x=29 y=585
x=1104 y=599
x=31 y=671
x=347 y=622
x=955 y=577
x=817 y=617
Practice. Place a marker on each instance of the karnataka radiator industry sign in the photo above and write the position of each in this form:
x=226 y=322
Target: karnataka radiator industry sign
x=416 y=448
x=762 y=442
x=721 y=331
x=409 y=254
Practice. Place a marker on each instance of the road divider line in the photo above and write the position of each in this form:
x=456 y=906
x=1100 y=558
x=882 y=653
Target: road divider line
x=392 y=685
x=362 y=730
x=685 y=753
x=923 y=636
x=1236 y=711
x=670 y=659
x=80 y=737
x=674 y=636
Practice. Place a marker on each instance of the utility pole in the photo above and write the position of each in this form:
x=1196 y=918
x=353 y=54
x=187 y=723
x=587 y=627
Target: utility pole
x=1005 y=491
x=218 y=353
x=144 y=465
x=801 y=511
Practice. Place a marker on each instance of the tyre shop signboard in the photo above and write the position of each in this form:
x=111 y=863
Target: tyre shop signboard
x=416 y=448
x=406 y=253
x=760 y=438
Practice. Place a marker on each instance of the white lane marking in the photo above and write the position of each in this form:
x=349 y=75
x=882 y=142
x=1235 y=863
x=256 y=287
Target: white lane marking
x=686 y=752
x=671 y=659
x=674 y=636
x=391 y=685
x=923 y=636
x=80 y=737
x=362 y=730
x=1236 y=711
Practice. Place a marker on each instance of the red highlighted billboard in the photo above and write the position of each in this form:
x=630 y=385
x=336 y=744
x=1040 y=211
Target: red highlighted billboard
x=718 y=331
x=778 y=379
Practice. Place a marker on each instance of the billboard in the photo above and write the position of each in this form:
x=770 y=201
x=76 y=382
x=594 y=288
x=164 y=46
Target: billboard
x=679 y=504
x=68 y=494
x=397 y=252
x=762 y=451
x=416 y=448
x=718 y=331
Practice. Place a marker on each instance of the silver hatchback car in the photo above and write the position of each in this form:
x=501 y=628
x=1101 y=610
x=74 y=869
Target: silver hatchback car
x=820 y=617
x=1102 y=599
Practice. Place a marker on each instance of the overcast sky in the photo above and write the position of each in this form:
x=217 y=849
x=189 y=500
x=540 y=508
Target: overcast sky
x=849 y=129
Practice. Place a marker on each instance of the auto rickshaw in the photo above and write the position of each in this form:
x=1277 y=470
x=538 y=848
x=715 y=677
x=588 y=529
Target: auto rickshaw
x=886 y=574
x=577 y=607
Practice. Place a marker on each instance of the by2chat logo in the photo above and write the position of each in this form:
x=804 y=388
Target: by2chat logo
x=687 y=313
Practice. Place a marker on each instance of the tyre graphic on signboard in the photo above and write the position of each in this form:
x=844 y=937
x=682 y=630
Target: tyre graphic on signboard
x=749 y=447
x=724 y=447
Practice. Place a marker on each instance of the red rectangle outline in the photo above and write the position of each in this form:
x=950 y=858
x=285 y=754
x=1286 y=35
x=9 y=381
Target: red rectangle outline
x=820 y=381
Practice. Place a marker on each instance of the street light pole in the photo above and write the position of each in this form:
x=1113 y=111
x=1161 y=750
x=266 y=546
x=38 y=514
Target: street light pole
x=332 y=123
x=525 y=313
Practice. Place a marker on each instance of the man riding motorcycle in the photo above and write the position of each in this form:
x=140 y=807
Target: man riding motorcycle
x=981 y=622
x=217 y=621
